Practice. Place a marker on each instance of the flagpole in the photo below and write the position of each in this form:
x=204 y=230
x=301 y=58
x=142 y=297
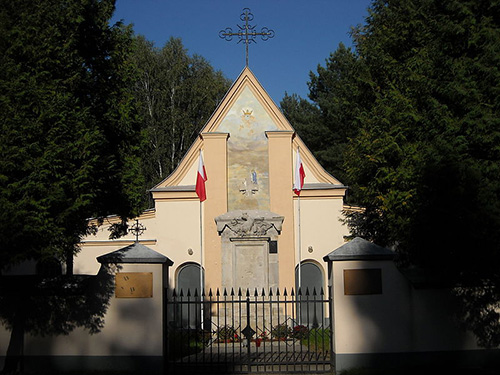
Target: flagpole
x=300 y=246
x=297 y=187
x=201 y=262
x=201 y=192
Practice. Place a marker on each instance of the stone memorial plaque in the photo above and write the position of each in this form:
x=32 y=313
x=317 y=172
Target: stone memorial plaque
x=134 y=285
x=251 y=266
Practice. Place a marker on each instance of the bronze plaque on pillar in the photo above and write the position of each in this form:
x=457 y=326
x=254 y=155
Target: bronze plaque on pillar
x=134 y=285
x=363 y=281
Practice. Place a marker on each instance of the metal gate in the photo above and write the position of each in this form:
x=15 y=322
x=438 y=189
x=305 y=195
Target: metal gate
x=248 y=332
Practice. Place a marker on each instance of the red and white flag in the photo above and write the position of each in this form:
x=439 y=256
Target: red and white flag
x=298 y=181
x=200 y=180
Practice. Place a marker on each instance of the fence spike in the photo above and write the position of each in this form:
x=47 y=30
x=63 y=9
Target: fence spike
x=210 y=294
x=270 y=292
x=285 y=293
x=307 y=291
x=181 y=294
x=232 y=292
x=263 y=294
x=292 y=293
x=217 y=293
x=299 y=292
x=256 y=294
x=314 y=292
x=239 y=292
x=277 y=291
x=248 y=293
x=195 y=292
x=322 y=292
x=174 y=293
x=225 y=292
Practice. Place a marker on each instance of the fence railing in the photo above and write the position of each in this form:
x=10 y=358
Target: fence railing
x=244 y=331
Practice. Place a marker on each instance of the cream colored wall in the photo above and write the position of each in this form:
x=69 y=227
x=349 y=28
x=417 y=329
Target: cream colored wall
x=320 y=228
x=401 y=319
x=191 y=174
x=178 y=231
x=133 y=326
x=369 y=323
x=310 y=177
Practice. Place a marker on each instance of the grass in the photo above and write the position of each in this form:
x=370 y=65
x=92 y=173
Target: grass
x=318 y=340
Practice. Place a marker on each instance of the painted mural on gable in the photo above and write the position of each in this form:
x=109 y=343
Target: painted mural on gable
x=247 y=153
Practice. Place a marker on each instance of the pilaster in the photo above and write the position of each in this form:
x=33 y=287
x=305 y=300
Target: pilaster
x=215 y=159
x=281 y=200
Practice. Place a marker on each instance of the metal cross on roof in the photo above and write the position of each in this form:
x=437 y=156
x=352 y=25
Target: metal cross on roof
x=137 y=229
x=246 y=33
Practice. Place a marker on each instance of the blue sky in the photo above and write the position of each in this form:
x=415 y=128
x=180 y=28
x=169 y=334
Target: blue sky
x=306 y=32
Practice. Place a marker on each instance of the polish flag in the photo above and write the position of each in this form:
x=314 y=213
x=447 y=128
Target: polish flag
x=200 y=180
x=298 y=182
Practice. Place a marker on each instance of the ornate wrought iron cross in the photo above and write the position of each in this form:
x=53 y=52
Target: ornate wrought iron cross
x=137 y=229
x=247 y=32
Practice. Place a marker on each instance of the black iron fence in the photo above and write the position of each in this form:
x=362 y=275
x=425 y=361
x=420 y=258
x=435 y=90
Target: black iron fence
x=243 y=332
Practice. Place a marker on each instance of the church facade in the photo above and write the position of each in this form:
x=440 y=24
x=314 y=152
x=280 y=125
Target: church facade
x=252 y=231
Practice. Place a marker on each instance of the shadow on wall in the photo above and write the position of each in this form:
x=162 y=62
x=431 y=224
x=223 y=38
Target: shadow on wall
x=51 y=306
x=400 y=325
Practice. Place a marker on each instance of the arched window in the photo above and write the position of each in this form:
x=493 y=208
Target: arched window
x=188 y=283
x=309 y=306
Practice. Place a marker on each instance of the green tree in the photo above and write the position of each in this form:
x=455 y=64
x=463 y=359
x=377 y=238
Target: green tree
x=425 y=164
x=69 y=142
x=176 y=93
x=69 y=131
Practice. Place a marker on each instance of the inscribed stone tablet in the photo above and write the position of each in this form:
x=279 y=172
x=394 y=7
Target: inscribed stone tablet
x=251 y=266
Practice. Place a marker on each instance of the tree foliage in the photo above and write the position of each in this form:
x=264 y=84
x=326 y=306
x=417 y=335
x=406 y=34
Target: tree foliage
x=177 y=93
x=426 y=161
x=69 y=135
x=427 y=155
x=416 y=109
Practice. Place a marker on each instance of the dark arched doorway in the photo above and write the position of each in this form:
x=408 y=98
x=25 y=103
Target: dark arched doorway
x=309 y=307
x=188 y=286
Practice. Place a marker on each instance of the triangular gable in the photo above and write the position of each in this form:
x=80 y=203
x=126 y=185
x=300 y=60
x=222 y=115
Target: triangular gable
x=184 y=176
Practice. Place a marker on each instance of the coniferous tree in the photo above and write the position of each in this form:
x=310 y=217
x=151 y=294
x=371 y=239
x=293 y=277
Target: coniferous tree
x=426 y=162
x=68 y=149
x=69 y=135
x=416 y=108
